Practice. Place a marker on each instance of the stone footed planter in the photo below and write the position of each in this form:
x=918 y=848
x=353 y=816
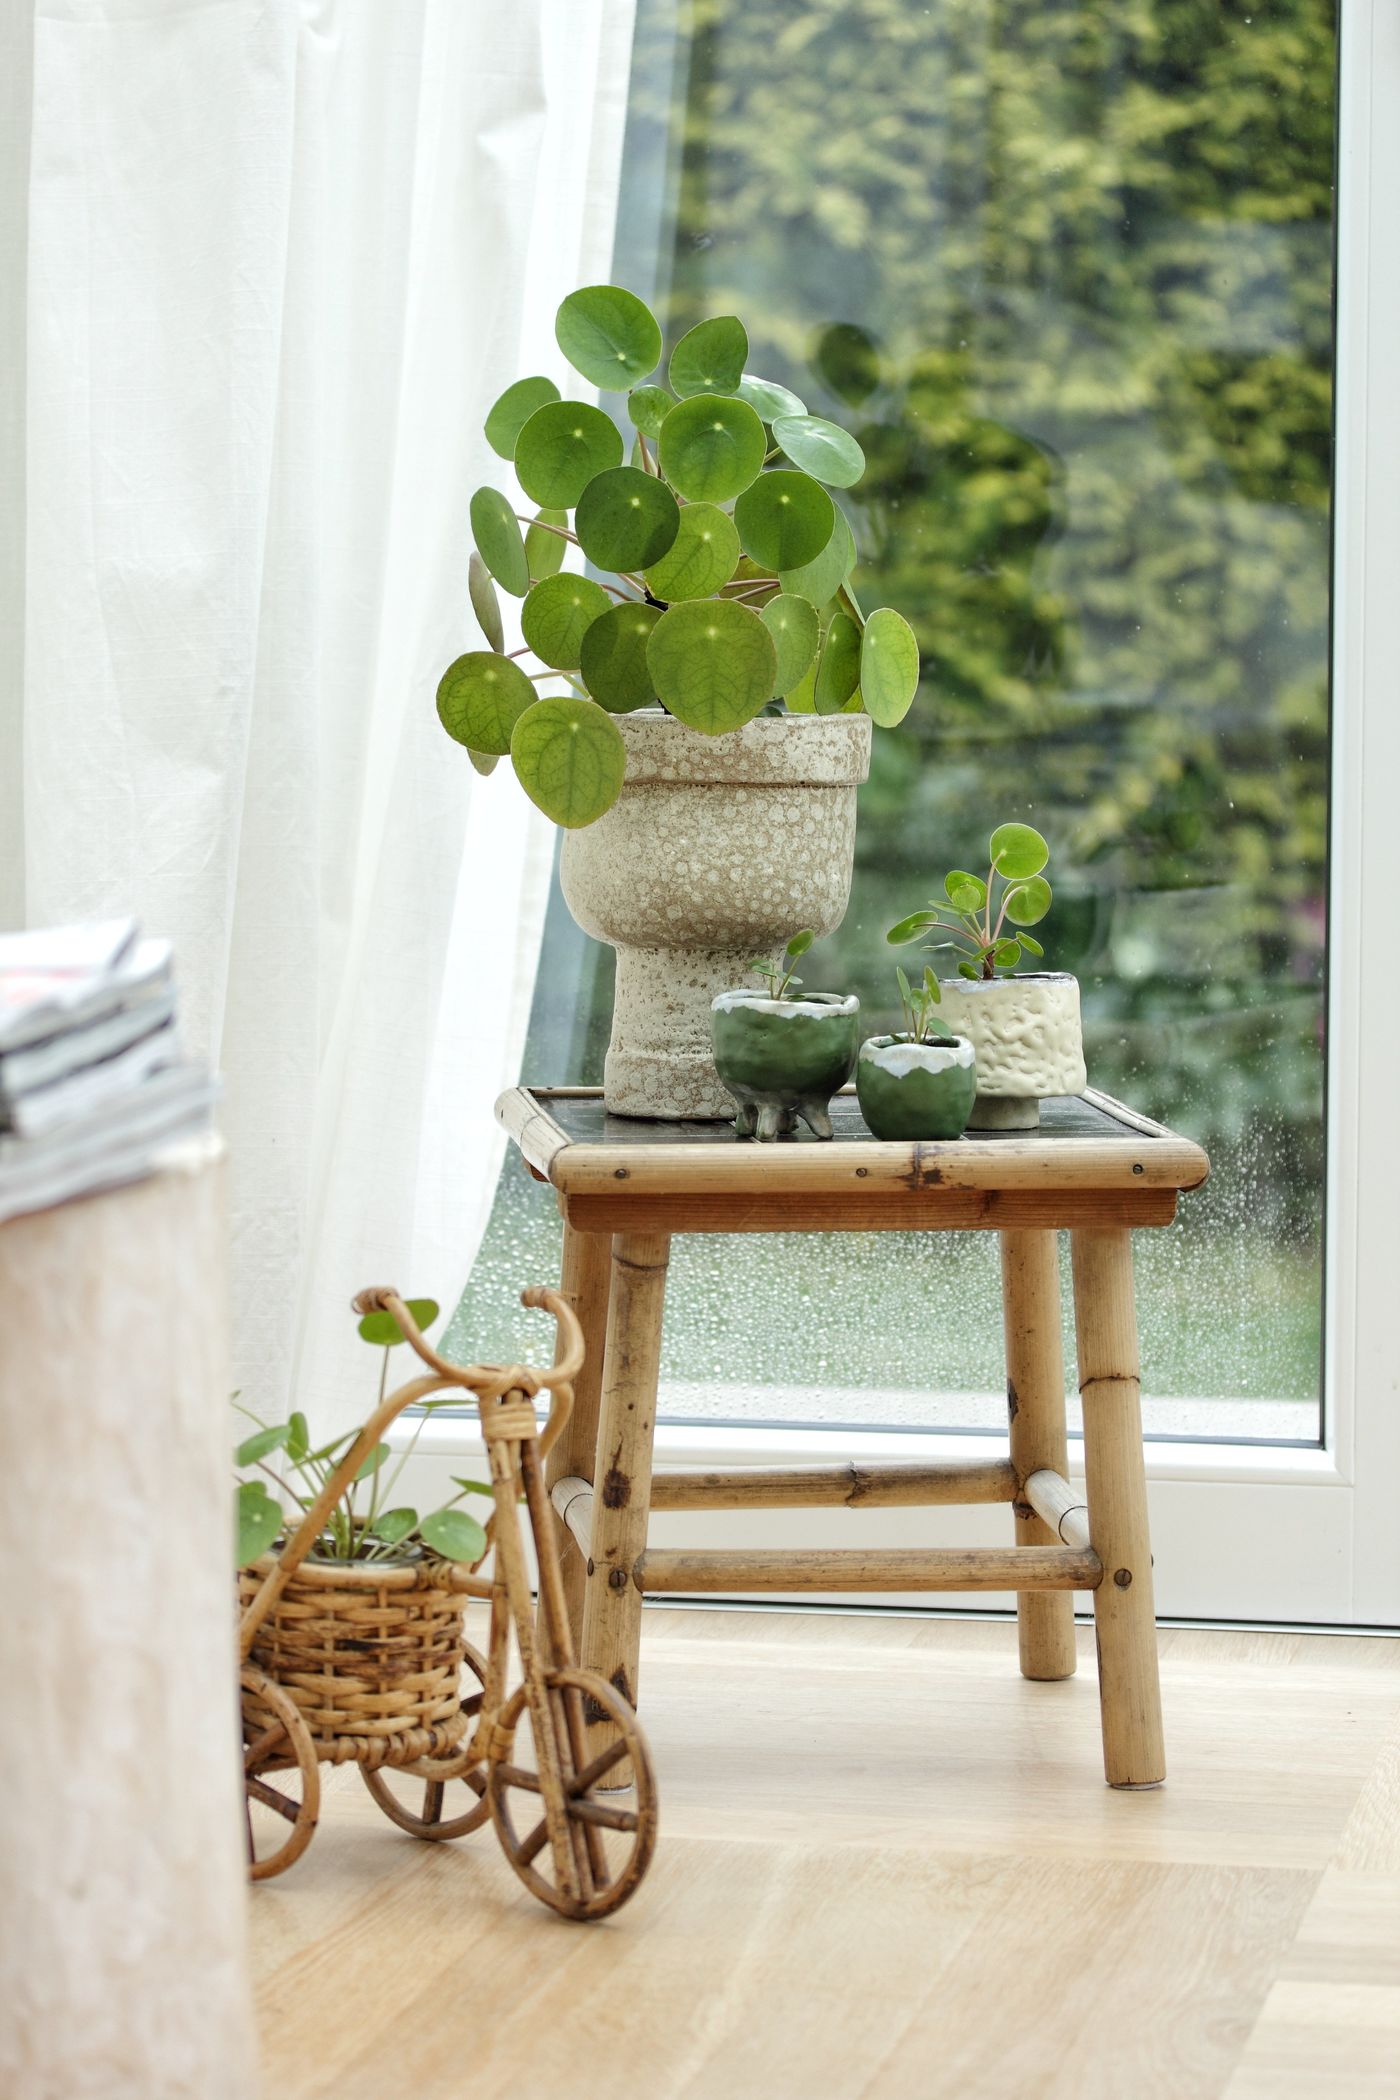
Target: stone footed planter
x=718 y=850
x=1026 y=1034
x=783 y=1058
x=915 y=1090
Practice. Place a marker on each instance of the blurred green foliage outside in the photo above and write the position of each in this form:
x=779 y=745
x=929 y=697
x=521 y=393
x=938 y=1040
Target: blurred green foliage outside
x=1067 y=272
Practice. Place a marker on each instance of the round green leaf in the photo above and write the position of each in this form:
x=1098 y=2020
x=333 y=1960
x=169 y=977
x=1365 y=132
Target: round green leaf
x=497 y=534
x=792 y=622
x=394 y=1524
x=614 y=657
x=1006 y=954
x=785 y=519
x=452 y=1534
x=821 y=448
x=561 y=448
x=545 y=550
x=257 y=1519
x=702 y=556
x=485 y=604
x=298 y=1439
x=557 y=614
x=649 y=407
x=607 y=334
x=1031 y=946
x=838 y=668
x=711 y=449
x=513 y=411
x=818 y=581
x=384 y=1330
x=909 y=929
x=372 y=1461
x=889 y=667
x=802 y=700
x=570 y=759
x=970 y=971
x=1026 y=905
x=710 y=358
x=713 y=663
x=768 y=398
x=964 y=892
x=1017 y=851
x=626 y=519
x=481 y=698
x=261 y=1442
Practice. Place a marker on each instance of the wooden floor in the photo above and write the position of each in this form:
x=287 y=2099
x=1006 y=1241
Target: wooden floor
x=889 y=1868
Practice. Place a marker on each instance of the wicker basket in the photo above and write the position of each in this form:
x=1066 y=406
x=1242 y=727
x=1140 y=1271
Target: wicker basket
x=371 y=1655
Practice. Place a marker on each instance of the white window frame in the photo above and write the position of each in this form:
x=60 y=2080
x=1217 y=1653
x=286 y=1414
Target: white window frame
x=1295 y=1535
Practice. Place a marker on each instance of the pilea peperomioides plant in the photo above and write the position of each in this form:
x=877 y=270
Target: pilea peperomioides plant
x=977 y=913
x=372 y=1529
x=727 y=561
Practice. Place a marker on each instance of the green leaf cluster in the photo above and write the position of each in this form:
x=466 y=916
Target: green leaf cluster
x=358 y=1527
x=778 y=976
x=730 y=560
x=974 y=914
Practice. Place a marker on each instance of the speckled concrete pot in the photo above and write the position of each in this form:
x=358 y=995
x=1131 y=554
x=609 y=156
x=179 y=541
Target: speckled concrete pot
x=1025 y=1031
x=912 y=1091
x=718 y=849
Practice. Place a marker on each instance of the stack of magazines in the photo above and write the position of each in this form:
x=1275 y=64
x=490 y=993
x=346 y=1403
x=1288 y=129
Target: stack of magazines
x=93 y=1087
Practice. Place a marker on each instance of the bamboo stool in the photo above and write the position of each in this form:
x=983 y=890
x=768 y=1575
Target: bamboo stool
x=1094 y=1168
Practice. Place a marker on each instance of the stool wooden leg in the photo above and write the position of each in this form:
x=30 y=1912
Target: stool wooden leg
x=585 y=1281
x=1129 y=1697
x=612 y=1607
x=1035 y=1399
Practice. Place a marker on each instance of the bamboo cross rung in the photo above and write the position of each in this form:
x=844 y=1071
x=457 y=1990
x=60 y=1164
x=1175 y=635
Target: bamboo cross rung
x=1059 y=1505
x=859 y=1487
x=851 y=1568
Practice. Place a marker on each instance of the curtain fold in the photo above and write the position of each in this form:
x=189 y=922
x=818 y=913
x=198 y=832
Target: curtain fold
x=278 y=256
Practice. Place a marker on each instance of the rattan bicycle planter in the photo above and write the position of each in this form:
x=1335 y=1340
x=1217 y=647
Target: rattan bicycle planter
x=349 y=1663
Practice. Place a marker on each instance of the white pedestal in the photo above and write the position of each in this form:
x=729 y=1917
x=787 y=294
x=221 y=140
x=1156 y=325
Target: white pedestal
x=123 y=1899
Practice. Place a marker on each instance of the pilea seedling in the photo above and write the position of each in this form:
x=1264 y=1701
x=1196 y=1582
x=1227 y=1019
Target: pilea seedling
x=377 y=1531
x=921 y=1023
x=727 y=561
x=976 y=913
x=778 y=976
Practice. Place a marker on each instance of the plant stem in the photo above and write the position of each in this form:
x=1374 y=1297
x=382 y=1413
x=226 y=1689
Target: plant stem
x=562 y=530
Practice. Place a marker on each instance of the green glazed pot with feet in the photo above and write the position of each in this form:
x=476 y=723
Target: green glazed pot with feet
x=916 y=1090
x=783 y=1058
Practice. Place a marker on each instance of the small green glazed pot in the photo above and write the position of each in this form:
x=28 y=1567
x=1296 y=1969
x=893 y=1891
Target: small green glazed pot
x=783 y=1058
x=916 y=1090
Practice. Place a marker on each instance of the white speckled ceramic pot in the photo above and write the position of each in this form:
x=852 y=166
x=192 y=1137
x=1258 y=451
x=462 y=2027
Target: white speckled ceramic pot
x=1026 y=1034
x=718 y=849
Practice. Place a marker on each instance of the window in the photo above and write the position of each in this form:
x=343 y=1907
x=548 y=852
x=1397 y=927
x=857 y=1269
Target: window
x=1073 y=274
x=1070 y=276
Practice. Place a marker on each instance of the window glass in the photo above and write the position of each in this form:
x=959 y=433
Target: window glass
x=1067 y=272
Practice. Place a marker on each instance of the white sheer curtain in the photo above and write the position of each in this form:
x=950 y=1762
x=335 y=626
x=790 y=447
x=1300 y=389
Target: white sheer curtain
x=275 y=258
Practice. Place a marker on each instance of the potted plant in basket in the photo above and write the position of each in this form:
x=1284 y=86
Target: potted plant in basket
x=921 y=1082
x=367 y=1636
x=1023 y=1025
x=783 y=1056
x=701 y=713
